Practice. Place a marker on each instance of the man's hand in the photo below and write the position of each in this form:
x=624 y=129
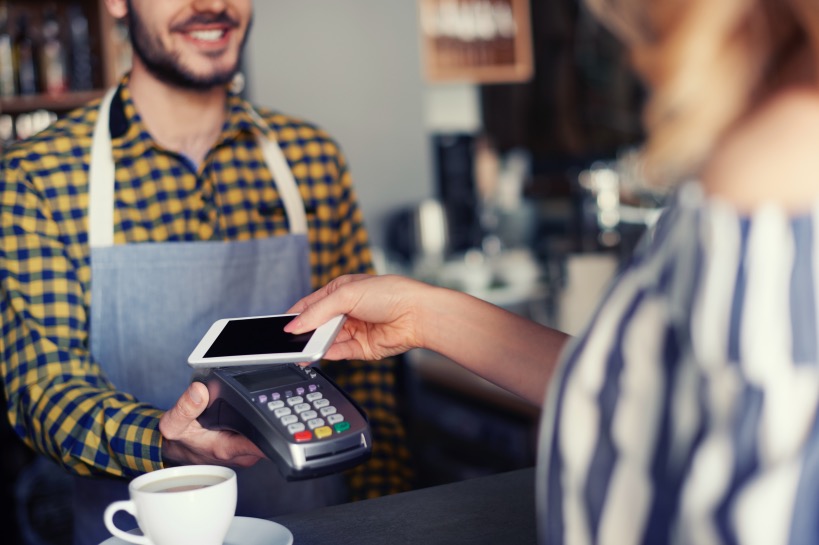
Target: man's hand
x=185 y=441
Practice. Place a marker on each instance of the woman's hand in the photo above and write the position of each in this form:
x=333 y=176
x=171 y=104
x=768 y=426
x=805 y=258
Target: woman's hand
x=382 y=315
x=389 y=315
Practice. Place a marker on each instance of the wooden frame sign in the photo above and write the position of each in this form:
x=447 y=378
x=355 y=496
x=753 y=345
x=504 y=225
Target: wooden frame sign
x=479 y=41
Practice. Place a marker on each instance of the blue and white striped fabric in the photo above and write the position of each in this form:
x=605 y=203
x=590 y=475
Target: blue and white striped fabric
x=686 y=412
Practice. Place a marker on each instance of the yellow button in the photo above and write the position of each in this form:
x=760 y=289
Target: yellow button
x=323 y=432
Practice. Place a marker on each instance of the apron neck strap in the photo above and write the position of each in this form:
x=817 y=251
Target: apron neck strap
x=283 y=176
x=102 y=179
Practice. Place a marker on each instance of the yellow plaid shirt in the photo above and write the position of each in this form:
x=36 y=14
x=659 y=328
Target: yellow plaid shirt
x=59 y=400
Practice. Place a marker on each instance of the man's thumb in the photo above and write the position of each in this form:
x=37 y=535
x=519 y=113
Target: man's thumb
x=188 y=407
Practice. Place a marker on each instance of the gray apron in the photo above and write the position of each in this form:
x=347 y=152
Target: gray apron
x=152 y=302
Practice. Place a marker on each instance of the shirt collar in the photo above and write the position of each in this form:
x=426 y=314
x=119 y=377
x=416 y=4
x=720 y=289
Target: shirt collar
x=240 y=120
x=128 y=128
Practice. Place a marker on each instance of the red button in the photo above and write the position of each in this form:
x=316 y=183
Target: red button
x=302 y=436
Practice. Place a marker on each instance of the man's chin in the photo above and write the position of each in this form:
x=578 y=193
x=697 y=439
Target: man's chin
x=192 y=81
x=208 y=77
x=208 y=82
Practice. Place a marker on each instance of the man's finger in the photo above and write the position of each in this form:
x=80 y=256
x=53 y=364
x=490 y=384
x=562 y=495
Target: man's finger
x=187 y=409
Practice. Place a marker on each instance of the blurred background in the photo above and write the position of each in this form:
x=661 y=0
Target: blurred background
x=492 y=145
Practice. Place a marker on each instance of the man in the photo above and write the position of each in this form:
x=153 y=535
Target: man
x=132 y=224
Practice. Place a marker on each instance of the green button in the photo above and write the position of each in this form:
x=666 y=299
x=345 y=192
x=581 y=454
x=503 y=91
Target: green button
x=341 y=426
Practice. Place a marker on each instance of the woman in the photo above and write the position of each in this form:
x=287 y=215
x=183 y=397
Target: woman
x=686 y=412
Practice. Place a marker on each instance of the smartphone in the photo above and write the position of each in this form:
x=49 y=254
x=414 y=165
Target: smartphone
x=257 y=340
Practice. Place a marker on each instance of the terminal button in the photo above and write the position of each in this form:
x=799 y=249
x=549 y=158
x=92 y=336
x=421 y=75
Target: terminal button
x=308 y=415
x=315 y=423
x=341 y=427
x=323 y=432
x=284 y=411
x=289 y=419
x=295 y=428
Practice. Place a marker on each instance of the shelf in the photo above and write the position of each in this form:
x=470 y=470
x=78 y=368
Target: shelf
x=58 y=103
x=108 y=49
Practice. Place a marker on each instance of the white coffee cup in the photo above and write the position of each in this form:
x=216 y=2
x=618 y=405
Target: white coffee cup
x=186 y=505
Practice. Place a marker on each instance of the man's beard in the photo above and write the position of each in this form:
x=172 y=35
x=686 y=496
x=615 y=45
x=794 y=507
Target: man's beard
x=165 y=66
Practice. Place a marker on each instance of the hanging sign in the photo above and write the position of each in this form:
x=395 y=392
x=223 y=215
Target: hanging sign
x=480 y=41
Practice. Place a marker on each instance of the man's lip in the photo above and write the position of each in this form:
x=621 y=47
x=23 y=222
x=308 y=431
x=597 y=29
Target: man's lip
x=216 y=26
x=189 y=34
x=190 y=26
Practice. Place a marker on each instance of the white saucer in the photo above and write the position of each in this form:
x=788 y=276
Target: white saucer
x=243 y=531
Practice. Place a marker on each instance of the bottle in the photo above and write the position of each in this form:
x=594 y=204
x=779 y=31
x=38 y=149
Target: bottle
x=6 y=130
x=80 y=50
x=8 y=86
x=26 y=59
x=52 y=56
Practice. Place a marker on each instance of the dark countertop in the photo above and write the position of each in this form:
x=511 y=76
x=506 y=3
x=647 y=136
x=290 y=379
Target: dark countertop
x=497 y=510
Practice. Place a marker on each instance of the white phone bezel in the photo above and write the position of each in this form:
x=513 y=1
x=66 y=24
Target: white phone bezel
x=316 y=347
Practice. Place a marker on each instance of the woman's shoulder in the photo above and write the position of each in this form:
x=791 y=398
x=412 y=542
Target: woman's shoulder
x=771 y=156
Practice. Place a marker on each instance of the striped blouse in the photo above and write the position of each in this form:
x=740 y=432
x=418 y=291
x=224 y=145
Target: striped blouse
x=686 y=412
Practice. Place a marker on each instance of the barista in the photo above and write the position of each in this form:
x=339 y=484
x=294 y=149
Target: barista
x=131 y=225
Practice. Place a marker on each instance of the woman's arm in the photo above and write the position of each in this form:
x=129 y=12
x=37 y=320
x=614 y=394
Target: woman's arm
x=388 y=315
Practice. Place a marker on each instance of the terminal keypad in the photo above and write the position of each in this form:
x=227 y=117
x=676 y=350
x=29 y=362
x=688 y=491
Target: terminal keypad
x=305 y=413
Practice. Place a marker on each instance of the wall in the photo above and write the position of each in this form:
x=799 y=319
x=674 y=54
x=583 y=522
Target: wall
x=354 y=68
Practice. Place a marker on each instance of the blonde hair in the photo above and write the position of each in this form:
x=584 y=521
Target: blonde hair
x=706 y=63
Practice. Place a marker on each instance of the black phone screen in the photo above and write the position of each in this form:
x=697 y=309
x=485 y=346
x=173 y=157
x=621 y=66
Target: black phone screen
x=257 y=336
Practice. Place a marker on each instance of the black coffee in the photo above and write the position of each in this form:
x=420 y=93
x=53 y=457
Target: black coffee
x=183 y=483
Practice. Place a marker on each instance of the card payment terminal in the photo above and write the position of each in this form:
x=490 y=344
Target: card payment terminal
x=296 y=415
